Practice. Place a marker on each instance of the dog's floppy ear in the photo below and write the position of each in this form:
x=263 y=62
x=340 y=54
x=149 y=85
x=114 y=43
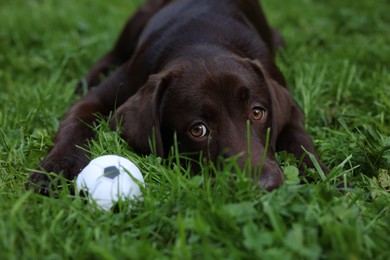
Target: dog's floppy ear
x=139 y=116
x=280 y=99
x=287 y=121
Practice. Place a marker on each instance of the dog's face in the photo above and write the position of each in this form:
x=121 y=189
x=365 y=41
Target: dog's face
x=220 y=108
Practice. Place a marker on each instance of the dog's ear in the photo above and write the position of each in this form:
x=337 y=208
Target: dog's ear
x=139 y=117
x=280 y=99
x=287 y=121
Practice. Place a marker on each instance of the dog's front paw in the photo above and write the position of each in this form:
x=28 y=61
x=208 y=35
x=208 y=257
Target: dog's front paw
x=39 y=182
x=54 y=170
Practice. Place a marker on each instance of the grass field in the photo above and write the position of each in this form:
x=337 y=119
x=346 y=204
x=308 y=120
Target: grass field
x=337 y=65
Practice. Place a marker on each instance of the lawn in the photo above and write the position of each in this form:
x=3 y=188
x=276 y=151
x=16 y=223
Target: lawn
x=337 y=65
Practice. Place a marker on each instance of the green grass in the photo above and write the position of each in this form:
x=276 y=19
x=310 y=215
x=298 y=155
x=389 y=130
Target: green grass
x=337 y=65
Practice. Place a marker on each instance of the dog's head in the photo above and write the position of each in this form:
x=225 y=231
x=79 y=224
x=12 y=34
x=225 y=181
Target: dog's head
x=221 y=107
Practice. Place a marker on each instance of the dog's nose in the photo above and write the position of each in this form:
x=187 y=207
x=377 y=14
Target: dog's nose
x=270 y=179
x=270 y=184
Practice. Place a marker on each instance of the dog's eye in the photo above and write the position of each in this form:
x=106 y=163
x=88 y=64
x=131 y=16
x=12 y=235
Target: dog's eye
x=257 y=113
x=198 y=130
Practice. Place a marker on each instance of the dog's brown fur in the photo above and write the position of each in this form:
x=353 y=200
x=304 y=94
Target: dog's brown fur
x=200 y=68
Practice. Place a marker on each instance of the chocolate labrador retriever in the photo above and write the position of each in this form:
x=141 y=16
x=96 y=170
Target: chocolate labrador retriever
x=203 y=69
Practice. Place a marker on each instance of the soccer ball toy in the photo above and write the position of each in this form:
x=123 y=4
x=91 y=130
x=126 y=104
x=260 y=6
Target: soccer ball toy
x=108 y=179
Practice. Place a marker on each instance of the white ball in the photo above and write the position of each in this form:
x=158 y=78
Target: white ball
x=110 y=178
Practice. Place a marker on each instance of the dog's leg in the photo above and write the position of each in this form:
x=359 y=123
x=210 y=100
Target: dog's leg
x=294 y=137
x=254 y=12
x=68 y=156
x=124 y=47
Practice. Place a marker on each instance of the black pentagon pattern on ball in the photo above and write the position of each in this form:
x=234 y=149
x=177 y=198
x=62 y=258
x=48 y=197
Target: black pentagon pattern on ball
x=111 y=172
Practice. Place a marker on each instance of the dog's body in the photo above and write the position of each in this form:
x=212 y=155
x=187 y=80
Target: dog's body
x=199 y=68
